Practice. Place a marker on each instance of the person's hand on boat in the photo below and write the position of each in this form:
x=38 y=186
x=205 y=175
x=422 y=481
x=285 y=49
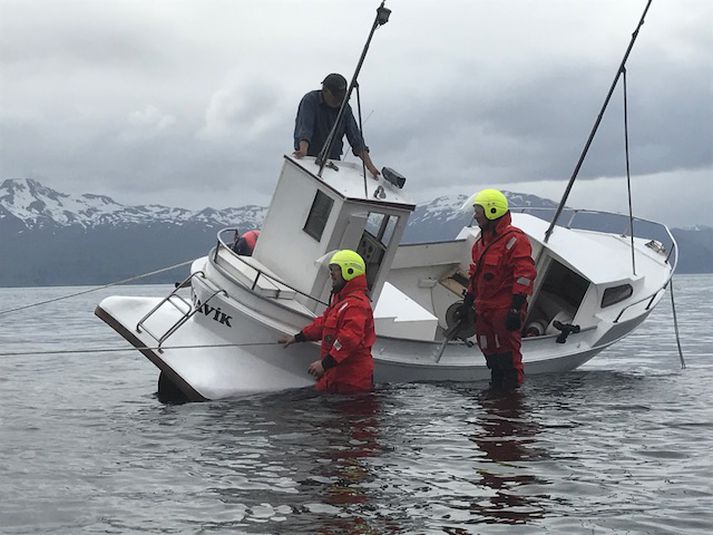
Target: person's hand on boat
x=287 y=340
x=316 y=369
x=369 y=164
x=302 y=151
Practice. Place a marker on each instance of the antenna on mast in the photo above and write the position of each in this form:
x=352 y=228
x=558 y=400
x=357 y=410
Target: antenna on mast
x=382 y=17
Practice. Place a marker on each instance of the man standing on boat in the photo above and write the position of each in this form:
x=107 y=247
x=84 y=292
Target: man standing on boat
x=501 y=278
x=346 y=329
x=316 y=114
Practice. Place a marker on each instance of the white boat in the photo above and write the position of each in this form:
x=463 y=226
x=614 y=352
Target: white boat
x=221 y=341
x=595 y=284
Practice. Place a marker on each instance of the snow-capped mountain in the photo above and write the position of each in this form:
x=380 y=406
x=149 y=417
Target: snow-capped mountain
x=445 y=216
x=36 y=206
x=48 y=237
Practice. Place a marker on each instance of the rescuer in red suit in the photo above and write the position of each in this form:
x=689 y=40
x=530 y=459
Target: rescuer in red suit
x=501 y=278
x=346 y=329
x=245 y=244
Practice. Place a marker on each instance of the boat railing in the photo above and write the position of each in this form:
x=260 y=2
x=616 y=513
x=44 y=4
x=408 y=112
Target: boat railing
x=607 y=223
x=259 y=273
x=177 y=301
x=602 y=221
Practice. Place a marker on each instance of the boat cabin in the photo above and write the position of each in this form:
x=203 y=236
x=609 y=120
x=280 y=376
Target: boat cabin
x=311 y=217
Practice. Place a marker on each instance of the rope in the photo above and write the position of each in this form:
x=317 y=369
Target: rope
x=628 y=173
x=363 y=144
x=593 y=132
x=118 y=350
x=116 y=283
x=675 y=327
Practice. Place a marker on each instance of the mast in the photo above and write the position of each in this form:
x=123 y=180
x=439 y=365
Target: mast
x=382 y=17
x=619 y=72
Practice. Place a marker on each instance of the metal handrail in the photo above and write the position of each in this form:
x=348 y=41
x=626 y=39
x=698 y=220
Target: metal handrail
x=650 y=298
x=185 y=315
x=260 y=273
x=577 y=211
x=672 y=251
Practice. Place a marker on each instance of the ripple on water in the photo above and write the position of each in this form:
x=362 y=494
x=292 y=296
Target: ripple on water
x=620 y=446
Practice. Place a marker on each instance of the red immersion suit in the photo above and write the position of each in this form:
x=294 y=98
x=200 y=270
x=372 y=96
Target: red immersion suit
x=246 y=243
x=502 y=267
x=346 y=329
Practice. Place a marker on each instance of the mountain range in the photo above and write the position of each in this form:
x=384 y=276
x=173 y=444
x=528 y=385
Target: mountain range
x=53 y=238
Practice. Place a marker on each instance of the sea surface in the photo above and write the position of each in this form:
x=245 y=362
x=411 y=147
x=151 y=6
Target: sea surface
x=622 y=445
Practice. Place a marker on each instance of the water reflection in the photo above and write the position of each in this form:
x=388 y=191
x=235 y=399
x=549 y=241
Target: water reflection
x=353 y=439
x=506 y=434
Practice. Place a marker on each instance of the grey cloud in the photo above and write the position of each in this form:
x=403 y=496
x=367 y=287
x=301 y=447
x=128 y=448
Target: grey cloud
x=197 y=105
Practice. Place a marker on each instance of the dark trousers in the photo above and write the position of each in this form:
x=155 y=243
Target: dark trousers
x=501 y=348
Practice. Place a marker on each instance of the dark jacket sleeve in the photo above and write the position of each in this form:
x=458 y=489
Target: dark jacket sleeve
x=304 y=122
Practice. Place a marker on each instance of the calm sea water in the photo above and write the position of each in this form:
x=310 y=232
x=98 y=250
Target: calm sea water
x=623 y=445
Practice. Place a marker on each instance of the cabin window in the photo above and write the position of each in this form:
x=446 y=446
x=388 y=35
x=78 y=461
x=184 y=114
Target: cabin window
x=388 y=229
x=318 y=215
x=565 y=284
x=381 y=226
x=616 y=294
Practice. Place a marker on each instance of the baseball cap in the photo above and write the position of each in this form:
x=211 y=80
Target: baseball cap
x=336 y=83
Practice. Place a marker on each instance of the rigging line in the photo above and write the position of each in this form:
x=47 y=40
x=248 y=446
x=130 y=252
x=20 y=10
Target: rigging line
x=96 y=288
x=583 y=155
x=348 y=154
x=675 y=328
x=361 y=133
x=124 y=349
x=628 y=172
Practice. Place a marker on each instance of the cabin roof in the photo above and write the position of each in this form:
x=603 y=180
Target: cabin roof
x=348 y=182
x=600 y=256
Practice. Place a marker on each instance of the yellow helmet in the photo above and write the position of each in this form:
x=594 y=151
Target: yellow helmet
x=351 y=264
x=493 y=202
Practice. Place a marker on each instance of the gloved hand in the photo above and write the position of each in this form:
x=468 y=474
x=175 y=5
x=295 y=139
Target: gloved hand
x=462 y=311
x=513 y=321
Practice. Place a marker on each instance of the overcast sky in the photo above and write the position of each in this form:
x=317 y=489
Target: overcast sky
x=192 y=103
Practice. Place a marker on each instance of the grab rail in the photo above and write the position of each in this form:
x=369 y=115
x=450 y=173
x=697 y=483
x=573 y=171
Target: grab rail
x=185 y=315
x=260 y=273
x=672 y=251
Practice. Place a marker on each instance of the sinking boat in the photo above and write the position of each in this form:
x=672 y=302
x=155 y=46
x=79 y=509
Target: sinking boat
x=215 y=335
x=220 y=341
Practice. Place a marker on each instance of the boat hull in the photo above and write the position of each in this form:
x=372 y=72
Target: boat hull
x=208 y=359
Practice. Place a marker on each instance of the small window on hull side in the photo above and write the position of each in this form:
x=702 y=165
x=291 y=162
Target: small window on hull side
x=318 y=215
x=616 y=294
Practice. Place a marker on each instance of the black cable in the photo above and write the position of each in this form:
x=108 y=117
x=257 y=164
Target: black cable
x=118 y=350
x=361 y=133
x=593 y=132
x=675 y=327
x=94 y=289
x=628 y=172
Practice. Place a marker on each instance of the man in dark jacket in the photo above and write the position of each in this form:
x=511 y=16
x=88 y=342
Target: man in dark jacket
x=501 y=278
x=346 y=329
x=316 y=115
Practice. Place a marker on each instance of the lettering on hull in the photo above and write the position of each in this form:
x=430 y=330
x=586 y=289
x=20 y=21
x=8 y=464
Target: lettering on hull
x=215 y=313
